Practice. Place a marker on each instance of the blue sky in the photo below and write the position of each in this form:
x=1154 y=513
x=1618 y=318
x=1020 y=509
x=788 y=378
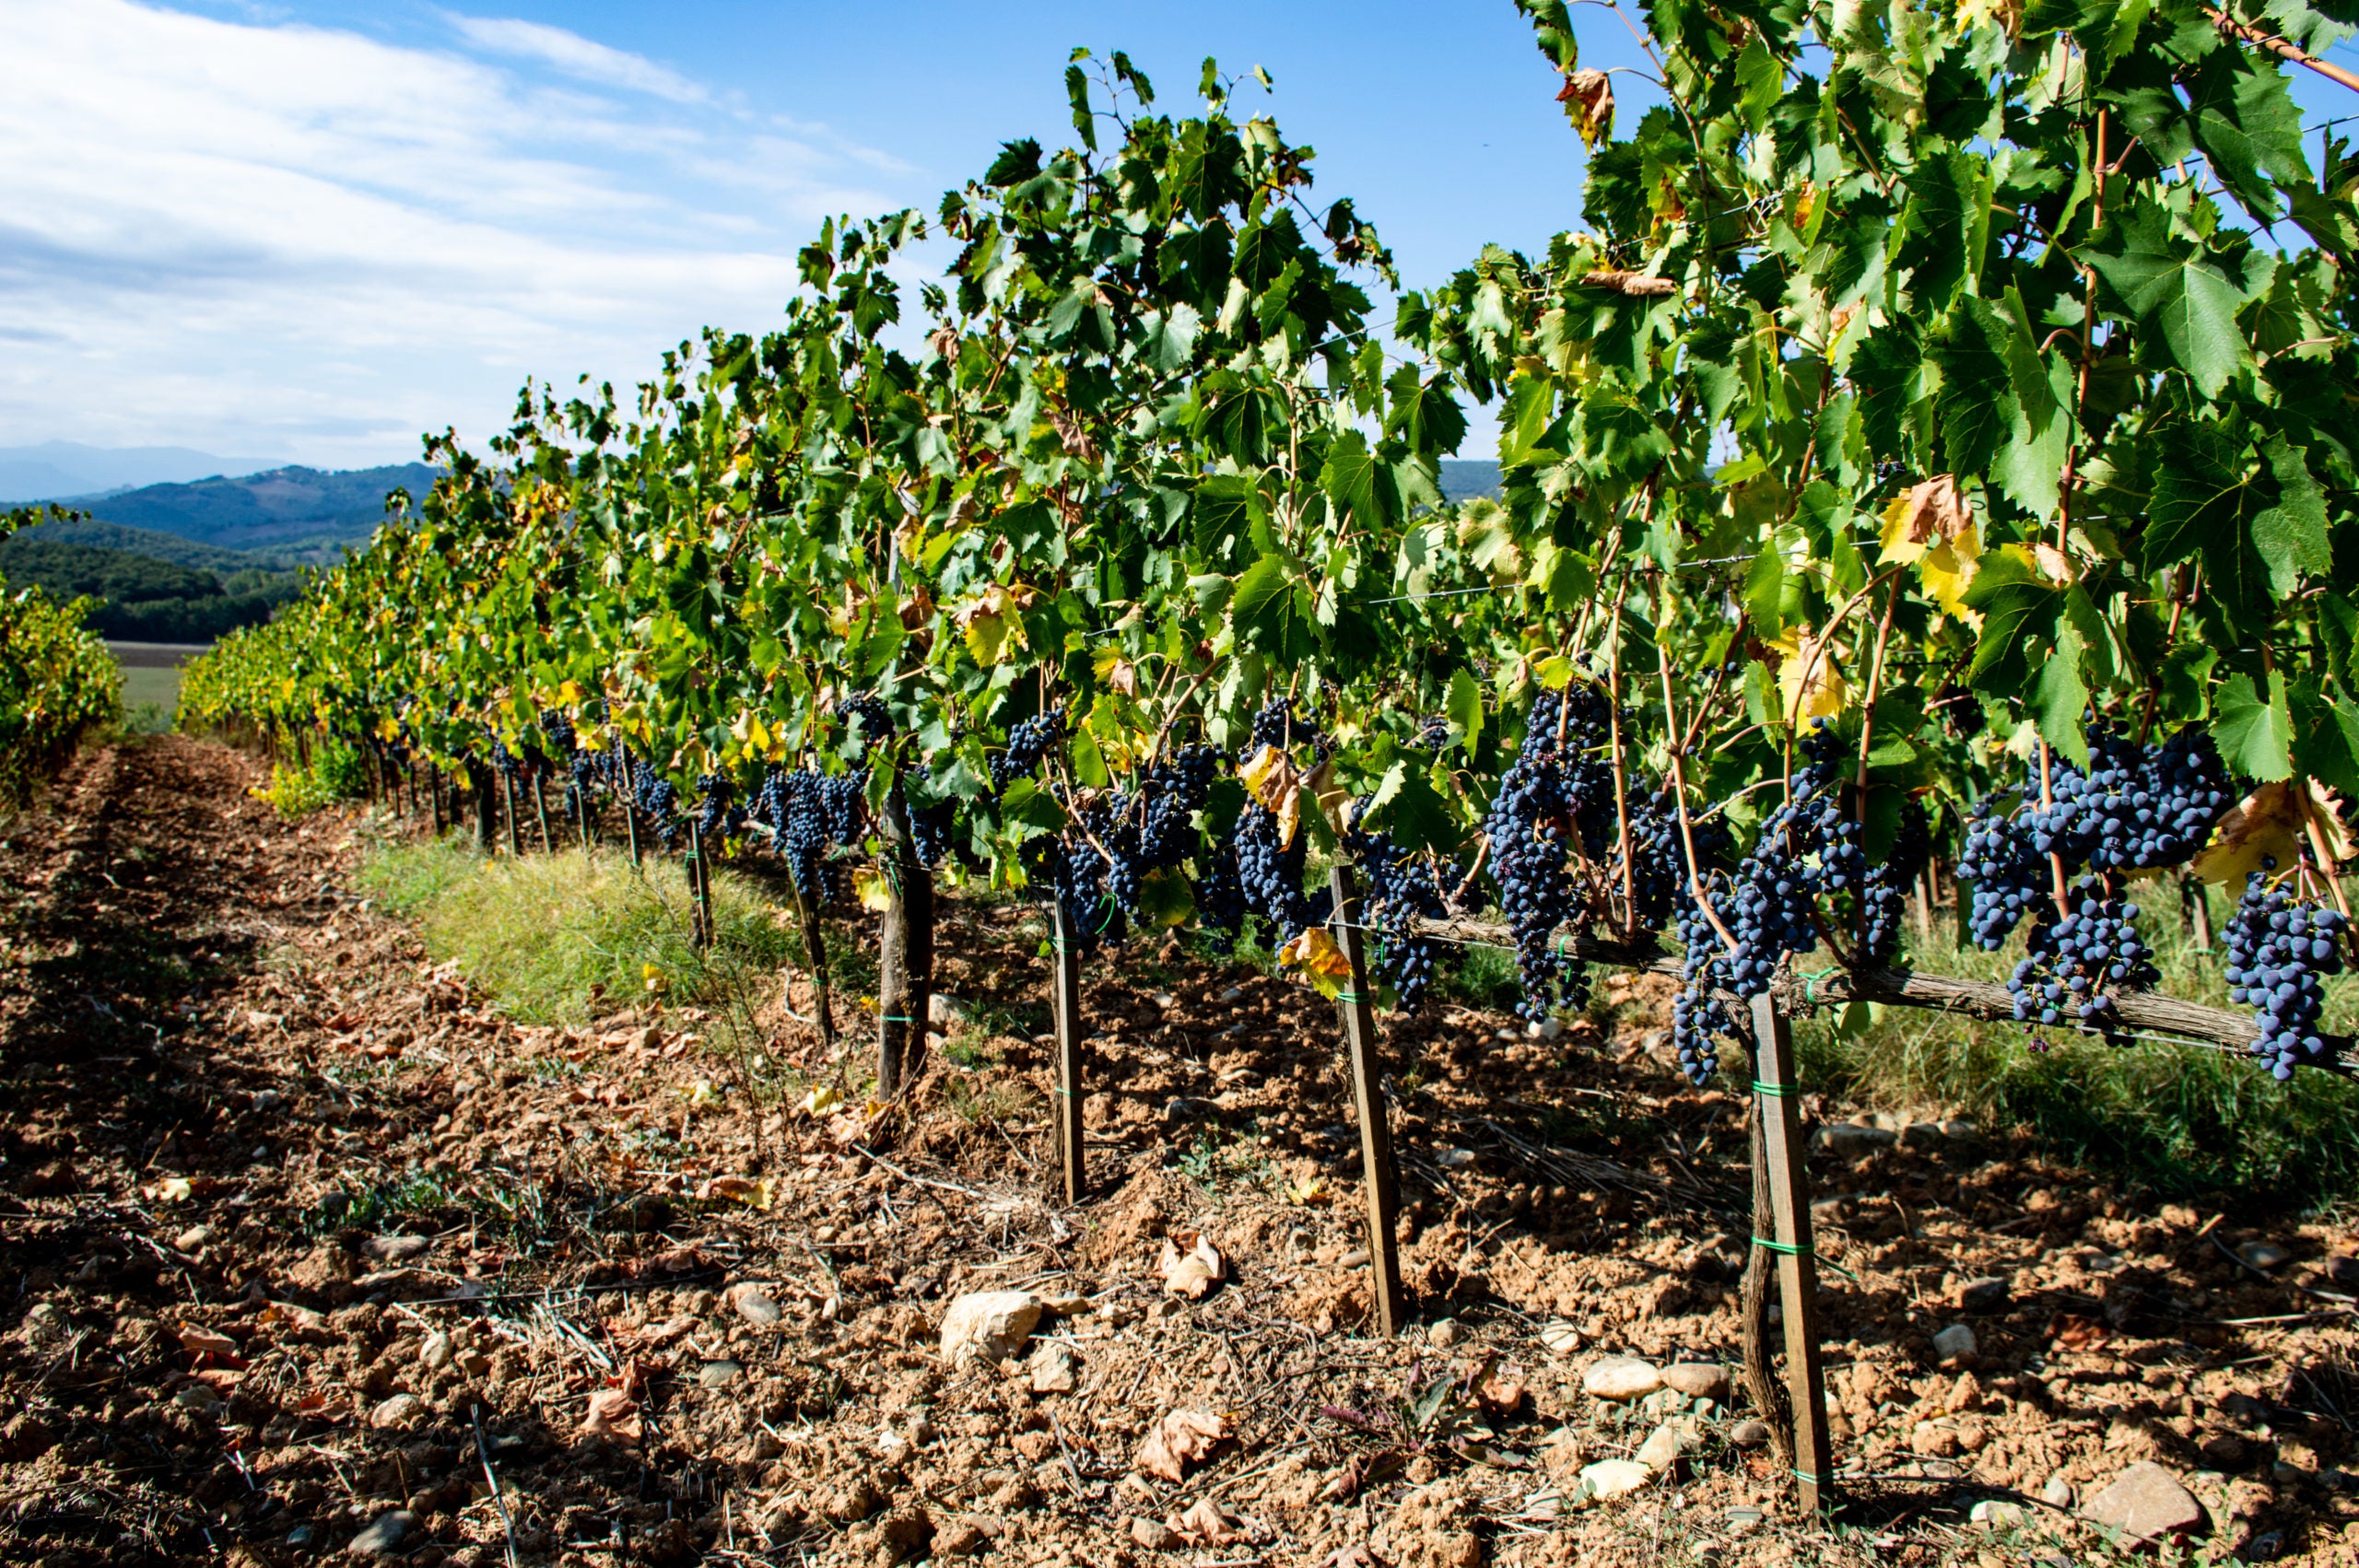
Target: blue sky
x=313 y=229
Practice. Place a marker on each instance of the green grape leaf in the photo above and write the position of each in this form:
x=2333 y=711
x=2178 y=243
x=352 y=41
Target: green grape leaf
x=2326 y=734
x=2179 y=290
x=2256 y=736
x=1167 y=339
x=1465 y=706
x=2017 y=604
x=2290 y=536
x=2247 y=123
x=2062 y=695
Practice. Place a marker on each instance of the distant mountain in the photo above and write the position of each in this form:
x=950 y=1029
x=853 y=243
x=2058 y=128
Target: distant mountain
x=1464 y=480
x=60 y=470
x=302 y=512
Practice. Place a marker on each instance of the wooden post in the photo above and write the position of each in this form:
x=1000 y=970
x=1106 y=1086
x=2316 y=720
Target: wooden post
x=1377 y=1178
x=628 y=796
x=701 y=918
x=904 y=950
x=515 y=833
x=434 y=794
x=540 y=809
x=1064 y=1007
x=1775 y=1091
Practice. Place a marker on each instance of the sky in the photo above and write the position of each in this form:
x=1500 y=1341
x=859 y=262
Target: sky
x=316 y=229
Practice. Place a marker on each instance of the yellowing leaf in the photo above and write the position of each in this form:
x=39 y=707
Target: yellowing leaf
x=869 y=883
x=1809 y=684
x=1322 y=962
x=991 y=621
x=1946 y=569
x=1270 y=778
x=822 y=1100
x=753 y=1192
x=1309 y=1190
x=1332 y=798
x=1922 y=516
x=2264 y=832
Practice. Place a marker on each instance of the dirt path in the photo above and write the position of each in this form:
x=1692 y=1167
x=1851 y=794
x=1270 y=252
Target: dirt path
x=299 y=1241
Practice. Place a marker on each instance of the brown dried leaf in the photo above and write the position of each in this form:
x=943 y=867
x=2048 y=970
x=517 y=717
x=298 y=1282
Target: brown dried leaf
x=1926 y=514
x=1501 y=1389
x=203 y=1342
x=1193 y=1273
x=1587 y=97
x=1205 y=1525
x=2076 y=1333
x=1177 y=1439
x=1270 y=776
x=2267 y=826
x=612 y=1413
x=1639 y=285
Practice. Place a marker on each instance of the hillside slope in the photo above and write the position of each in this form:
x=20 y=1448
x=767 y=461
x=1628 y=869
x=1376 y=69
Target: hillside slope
x=285 y=507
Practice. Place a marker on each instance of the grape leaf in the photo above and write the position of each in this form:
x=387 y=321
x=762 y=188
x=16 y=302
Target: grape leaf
x=2291 y=535
x=2183 y=291
x=2254 y=735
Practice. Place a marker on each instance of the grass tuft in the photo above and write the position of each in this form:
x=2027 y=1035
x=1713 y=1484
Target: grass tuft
x=559 y=939
x=2174 y=1119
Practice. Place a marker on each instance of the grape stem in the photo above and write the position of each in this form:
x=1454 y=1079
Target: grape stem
x=1679 y=794
x=2182 y=589
x=2048 y=802
x=1867 y=738
x=2326 y=862
x=1621 y=772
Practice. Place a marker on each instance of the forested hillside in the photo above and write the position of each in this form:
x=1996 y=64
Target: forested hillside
x=148 y=600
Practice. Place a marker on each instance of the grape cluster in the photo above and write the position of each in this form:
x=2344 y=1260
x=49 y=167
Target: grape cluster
x=1553 y=800
x=1027 y=744
x=930 y=831
x=2080 y=959
x=2280 y=953
x=1883 y=893
x=657 y=800
x=1220 y=893
x=2008 y=878
x=718 y=814
x=1269 y=874
x=866 y=718
x=1658 y=856
x=1275 y=725
x=1401 y=892
x=1696 y=1015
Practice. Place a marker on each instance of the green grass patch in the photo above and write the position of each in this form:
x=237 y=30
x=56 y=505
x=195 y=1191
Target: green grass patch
x=2174 y=1119
x=561 y=939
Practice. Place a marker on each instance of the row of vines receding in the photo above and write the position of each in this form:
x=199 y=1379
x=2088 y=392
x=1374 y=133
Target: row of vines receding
x=1934 y=459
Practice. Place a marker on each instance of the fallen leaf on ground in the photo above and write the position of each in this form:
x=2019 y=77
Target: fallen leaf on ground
x=1205 y=1525
x=206 y=1343
x=1192 y=1273
x=612 y=1413
x=755 y=1193
x=1501 y=1389
x=1178 y=1438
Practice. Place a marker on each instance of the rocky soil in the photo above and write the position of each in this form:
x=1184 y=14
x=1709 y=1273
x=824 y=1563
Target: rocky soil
x=308 y=1254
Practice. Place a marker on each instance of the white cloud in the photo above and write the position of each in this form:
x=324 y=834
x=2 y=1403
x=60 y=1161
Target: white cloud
x=251 y=237
x=577 y=56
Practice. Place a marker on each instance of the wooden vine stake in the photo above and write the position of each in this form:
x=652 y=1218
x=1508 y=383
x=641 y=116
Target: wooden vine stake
x=1377 y=1178
x=1064 y=1007
x=1774 y=1098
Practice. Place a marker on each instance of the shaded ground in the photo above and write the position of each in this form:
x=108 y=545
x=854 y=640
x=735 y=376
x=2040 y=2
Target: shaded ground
x=297 y=1236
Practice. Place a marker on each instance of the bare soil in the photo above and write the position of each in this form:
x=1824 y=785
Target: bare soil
x=299 y=1240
